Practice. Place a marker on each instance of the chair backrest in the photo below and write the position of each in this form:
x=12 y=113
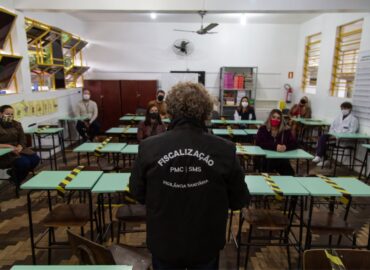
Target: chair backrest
x=140 y=111
x=315 y=259
x=89 y=252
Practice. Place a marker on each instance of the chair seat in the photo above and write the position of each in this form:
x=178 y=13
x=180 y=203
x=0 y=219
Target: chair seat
x=68 y=215
x=137 y=257
x=265 y=219
x=329 y=223
x=132 y=213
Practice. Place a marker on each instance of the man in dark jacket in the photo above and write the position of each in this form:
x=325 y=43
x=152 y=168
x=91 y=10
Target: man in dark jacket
x=188 y=179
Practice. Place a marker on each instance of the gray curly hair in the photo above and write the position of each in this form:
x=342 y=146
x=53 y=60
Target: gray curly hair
x=189 y=100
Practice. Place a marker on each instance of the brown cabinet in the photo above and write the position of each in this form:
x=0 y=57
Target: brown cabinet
x=117 y=98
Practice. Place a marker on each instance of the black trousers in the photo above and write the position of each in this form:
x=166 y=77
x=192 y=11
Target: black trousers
x=88 y=133
x=281 y=166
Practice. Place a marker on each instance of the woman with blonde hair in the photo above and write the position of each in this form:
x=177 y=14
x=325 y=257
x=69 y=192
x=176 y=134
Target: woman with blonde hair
x=276 y=136
x=301 y=109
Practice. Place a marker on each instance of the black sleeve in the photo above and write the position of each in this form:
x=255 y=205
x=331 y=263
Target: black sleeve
x=237 y=189
x=137 y=182
x=253 y=114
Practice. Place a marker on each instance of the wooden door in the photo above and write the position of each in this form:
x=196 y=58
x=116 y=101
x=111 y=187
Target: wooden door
x=147 y=91
x=136 y=94
x=111 y=104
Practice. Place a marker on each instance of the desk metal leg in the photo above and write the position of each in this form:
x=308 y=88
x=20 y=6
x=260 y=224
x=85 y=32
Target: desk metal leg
x=309 y=224
x=54 y=151
x=91 y=217
x=301 y=220
x=364 y=165
x=62 y=146
x=29 y=208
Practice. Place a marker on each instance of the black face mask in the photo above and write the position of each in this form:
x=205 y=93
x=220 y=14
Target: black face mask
x=153 y=115
x=160 y=98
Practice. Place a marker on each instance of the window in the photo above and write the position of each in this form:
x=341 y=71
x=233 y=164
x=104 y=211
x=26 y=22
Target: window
x=311 y=63
x=345 y=58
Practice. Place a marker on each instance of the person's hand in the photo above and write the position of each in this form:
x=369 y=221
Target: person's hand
x=281 y=148
x=19 y=148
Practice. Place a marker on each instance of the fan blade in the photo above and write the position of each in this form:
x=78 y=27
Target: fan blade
x=179 y=30
x=210 y=27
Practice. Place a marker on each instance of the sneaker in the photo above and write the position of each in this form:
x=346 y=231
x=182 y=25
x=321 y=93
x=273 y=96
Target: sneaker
x=316 y=159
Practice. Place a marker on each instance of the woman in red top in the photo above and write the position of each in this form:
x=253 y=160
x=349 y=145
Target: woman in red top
x=302 y=109
x=152 y=125
x=276 y=136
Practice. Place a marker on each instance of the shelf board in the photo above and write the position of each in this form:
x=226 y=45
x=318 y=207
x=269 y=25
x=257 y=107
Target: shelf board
x=6 y=25
x=46 y=68
x=8 y=67
x=79 y=70
x=235 y=89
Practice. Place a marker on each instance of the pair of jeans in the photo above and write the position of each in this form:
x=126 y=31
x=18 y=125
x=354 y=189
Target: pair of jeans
x=88 y=133
x=23 y=165
x=210 y=265
x=321 y=145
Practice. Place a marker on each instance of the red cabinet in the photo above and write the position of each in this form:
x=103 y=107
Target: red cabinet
x=116 y=98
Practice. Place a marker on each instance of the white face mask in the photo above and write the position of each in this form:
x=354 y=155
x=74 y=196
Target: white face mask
x=86 y=97
x=345 y=112
x=245 y=104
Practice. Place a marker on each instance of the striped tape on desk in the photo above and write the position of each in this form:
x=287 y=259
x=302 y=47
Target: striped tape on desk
x=279 y=195
x=98 y=149
x=223 y=119
x=335 y=261
x=126 y=128
x=241 y=149
x=345 y=194
x=230 y=131
x=42 y=129
x=61 y=187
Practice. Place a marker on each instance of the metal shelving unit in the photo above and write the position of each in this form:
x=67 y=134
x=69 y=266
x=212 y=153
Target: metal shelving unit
x=235 y=83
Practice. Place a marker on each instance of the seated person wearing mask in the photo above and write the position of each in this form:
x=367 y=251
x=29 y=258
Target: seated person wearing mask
x=244 y=111
x=88 y=128
x=302 y=109
x=346 y=122
x=276 y=136
x=152 y=125
x=160 y=103
x=21 y=159
x=188 y=179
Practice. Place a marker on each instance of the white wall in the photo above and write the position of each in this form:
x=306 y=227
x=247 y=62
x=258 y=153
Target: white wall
x=324 y=105
x=144 y=51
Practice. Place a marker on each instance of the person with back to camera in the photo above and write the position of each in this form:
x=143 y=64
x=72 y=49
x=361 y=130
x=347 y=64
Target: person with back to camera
x=152 y=125
x=188 y=182
x=346 y=122
x=244 y=111
x=21 y=159
x=160 y=103
x=276 y=136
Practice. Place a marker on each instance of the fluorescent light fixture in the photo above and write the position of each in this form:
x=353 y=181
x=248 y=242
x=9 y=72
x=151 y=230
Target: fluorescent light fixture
x=153 y=15
x=243 y=19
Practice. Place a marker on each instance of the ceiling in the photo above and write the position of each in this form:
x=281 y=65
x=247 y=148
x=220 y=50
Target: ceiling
x=263 y=18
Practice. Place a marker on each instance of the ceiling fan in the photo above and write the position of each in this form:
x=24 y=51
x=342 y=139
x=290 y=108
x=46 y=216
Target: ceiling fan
x=202 y=30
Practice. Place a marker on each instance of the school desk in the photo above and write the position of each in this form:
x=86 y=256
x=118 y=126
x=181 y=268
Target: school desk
x=138 y=118
x=49 y=181
x=67 y=122
x=308 y=126
x=4 y=151
x=129 y=153
x=365 y=162
x=236 y=122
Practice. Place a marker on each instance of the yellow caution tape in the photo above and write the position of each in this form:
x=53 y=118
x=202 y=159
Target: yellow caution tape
x=230 y=131
x=345 y=194
x=279 y=195
x=98 y=149
x=126 y=128
x=335 y=262
x=42 y=129
x=241 y=149
x=223 y=120
x=61 y=187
